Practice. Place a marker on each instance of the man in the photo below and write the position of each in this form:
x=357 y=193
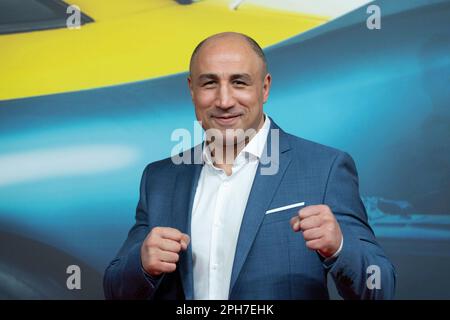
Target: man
x=254 y=236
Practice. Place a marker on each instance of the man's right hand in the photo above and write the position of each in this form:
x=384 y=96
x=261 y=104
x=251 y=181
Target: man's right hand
x=161 y=248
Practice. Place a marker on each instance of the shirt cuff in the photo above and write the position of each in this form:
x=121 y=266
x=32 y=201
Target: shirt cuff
x=336 y=254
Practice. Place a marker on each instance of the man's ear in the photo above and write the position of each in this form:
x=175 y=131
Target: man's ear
x=266 y=87
x=190 y=85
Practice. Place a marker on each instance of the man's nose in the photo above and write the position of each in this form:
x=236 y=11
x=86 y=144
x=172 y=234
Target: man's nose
x=225 y=99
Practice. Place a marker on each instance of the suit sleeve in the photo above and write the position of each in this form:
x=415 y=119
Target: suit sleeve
x=124 y=278
x=362 y=270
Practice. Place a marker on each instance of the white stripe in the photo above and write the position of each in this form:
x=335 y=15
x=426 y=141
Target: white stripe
x=328 y=8
x=42 y=164
x=294 y=205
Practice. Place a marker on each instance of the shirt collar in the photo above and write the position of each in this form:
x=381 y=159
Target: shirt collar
x=256 y=145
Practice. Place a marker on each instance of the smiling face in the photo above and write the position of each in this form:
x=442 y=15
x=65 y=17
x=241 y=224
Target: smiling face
x=228 y=84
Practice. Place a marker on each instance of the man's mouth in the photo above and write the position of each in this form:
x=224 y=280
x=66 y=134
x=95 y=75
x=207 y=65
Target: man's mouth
x=226 y=119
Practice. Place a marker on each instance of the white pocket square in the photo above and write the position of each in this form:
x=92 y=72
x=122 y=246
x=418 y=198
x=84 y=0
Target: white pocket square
x=294 y=205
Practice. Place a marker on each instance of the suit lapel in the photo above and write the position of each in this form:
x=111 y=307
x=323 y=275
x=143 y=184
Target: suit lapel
x=261 y=195
x=186 y=185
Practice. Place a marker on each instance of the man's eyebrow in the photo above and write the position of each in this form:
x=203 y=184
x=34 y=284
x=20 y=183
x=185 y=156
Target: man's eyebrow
x=208 y=76
x=243 y=76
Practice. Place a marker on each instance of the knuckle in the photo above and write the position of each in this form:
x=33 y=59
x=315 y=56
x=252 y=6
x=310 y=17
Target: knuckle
x=152 y=253
x=152 y=256
x=327 y=219
x=152 y=242
x=171 y=267
x=145 y=244
x=331 y=228
x=307 y=235
x=174 y=232
x=309 y=245
x=156 y=230
x=301 y=212
x=148 y=245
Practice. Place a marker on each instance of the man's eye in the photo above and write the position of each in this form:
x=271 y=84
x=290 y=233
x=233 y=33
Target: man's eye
x=208 y=84
x=239 y=83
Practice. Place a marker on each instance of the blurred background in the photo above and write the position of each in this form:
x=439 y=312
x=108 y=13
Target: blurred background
x=83 y=110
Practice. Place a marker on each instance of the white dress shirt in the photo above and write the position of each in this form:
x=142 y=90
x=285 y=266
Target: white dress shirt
x=218 y=208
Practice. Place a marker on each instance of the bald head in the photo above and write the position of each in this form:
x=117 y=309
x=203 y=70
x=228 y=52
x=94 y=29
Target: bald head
x=226 y=38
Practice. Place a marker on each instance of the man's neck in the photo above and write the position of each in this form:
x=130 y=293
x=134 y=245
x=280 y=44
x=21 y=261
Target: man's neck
x=230 y=153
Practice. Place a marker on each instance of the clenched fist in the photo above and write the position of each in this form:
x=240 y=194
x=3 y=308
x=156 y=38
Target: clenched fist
x=161 y=248
x=320 y=229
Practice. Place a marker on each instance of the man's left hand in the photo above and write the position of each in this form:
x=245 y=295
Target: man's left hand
x=320 y=229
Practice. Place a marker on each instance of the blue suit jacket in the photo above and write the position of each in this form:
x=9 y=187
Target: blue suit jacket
x=271 y=261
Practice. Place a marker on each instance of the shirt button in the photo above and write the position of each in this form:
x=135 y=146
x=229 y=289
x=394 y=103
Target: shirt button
x=214 y=266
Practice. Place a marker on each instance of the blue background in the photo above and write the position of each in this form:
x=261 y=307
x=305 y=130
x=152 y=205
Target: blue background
x=381 y=95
